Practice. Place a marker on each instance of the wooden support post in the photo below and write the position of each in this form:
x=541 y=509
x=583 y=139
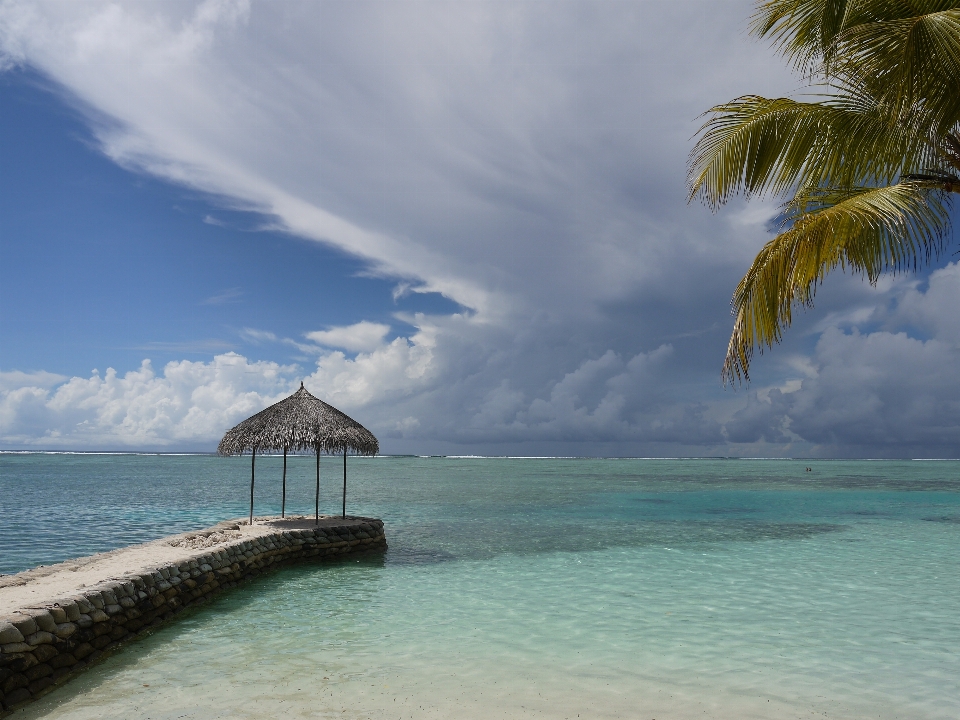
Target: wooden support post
x=344 y=480
x=253 y=473
x=283 y=497
x=318 y=487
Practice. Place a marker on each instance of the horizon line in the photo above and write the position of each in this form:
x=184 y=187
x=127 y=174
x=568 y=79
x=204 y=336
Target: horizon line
x=147 y=453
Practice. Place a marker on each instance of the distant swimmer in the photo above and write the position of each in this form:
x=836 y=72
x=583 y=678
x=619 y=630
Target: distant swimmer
x=809 y=469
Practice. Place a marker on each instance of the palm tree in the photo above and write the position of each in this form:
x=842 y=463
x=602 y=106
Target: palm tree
x=867 y=165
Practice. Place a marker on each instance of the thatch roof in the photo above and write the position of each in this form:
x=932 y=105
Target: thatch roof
x=300 y=422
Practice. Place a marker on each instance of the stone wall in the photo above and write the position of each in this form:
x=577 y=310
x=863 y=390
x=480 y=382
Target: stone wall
x=42 y=647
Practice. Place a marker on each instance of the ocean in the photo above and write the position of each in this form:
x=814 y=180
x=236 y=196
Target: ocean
x=530 y=588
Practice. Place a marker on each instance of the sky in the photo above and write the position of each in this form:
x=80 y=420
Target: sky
x=463 y=223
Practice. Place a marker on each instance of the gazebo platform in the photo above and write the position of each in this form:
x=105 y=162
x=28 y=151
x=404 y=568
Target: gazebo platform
x=56 y=620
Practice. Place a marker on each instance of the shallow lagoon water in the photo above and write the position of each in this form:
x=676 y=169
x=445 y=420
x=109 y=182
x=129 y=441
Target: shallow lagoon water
x=534 y=588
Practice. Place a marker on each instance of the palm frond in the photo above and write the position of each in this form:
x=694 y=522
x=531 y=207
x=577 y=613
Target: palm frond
x=758 y=145
x=871 y=164
x=802 y=30
x=913 y=62
x=866 y=230
x=806 y=32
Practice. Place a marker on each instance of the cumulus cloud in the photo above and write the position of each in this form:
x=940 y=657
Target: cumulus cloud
x=930 y=309
x=858 y=393
x=15 y=379
x=398 y=386
x=393 y=369
x=188 y=403
x=363 y=335
x=878 y=389
x=882 y=392
x=191 y=404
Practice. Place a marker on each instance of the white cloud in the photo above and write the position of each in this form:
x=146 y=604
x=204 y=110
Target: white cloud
x=401 y=389
x=876 y=394
x=881 y=393
x=257 y=336
x=878 y=389
x=871 y=393
x=932 y=309
x=227 y=296
x=491 y=156
x=601 y=399
x=528 y=166
x=190 y=404
x=15 y=379
x=393 y=369
x=358 y=337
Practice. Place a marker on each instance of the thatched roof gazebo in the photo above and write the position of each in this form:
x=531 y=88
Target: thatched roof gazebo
x=300 y=422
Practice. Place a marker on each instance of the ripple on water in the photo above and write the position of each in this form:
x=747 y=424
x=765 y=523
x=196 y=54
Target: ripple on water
x=552 y=589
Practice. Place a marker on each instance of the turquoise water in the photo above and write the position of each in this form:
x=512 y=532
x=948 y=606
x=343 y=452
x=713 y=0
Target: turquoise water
x=533 y=588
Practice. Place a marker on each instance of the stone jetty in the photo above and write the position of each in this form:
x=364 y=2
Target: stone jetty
x=57 y=620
